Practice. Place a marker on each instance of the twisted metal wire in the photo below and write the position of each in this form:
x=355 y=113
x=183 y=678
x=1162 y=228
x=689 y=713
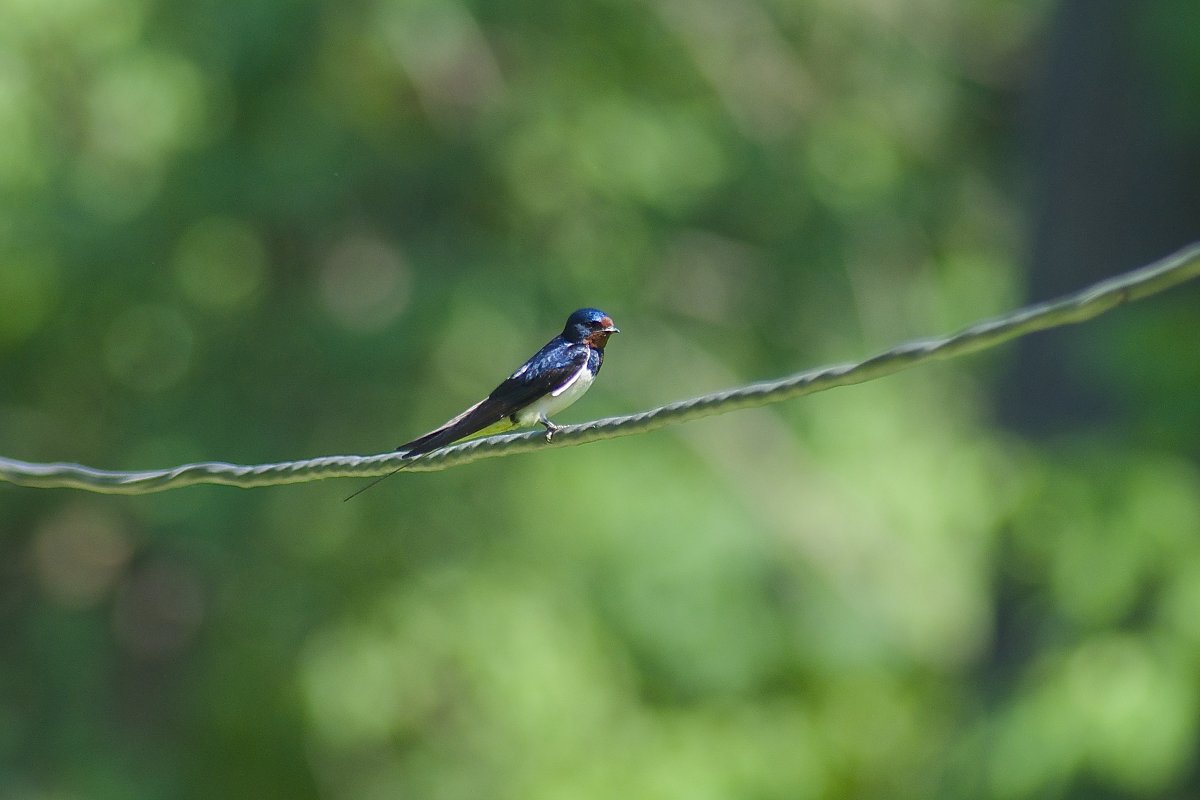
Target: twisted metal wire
x=1086 y=304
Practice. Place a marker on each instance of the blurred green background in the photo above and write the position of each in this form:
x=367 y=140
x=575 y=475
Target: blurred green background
x=271 y=230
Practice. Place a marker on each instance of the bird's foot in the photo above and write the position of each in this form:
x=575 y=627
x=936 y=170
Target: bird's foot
x=550 y=427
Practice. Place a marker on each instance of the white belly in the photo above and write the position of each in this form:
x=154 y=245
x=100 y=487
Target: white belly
x=551 y=404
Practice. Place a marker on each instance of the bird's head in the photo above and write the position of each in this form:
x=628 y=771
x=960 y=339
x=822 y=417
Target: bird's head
x=591 y=326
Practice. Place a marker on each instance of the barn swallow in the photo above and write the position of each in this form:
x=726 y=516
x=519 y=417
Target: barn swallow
x=552 y=379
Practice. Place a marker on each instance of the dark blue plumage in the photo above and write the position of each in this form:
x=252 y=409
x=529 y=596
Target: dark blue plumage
x=548 y=382
x=556 y=376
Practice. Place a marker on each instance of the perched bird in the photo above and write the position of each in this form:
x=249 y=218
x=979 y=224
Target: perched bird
x=552 y=379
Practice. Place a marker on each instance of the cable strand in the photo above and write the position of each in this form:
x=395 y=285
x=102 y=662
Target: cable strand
x=1081 y=306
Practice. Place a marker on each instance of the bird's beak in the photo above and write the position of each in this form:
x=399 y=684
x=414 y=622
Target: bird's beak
x=612 y=329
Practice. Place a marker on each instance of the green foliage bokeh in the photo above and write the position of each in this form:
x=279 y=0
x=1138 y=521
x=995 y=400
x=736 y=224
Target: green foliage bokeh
x=271 y=230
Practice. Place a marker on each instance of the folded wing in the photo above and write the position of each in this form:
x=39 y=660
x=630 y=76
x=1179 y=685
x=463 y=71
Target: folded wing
x=553 y=366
